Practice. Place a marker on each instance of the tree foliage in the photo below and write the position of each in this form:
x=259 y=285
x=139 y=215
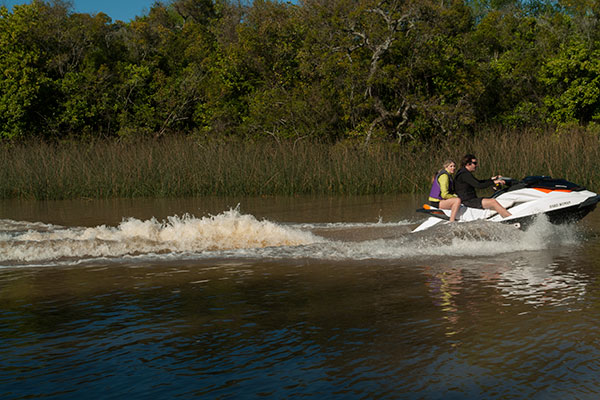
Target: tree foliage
x=402 y=70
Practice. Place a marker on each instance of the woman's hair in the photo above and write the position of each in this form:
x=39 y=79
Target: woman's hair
x=466 y=159
x=447 y=163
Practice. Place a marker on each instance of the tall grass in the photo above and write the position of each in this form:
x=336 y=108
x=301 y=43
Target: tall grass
x=181 y=167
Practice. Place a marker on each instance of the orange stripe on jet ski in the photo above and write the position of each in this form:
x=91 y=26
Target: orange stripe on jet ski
x=553 y=190
x=429 y=208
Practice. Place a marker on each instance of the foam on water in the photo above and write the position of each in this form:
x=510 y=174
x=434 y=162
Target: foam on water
x=475 y=239
x=228 y=230
x=234 y=235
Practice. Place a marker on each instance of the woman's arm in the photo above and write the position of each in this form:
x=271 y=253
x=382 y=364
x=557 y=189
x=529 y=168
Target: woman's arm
x=444 y=182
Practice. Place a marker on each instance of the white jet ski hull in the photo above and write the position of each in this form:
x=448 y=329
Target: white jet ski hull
x=559 y=200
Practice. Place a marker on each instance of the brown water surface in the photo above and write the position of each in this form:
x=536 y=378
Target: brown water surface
x=292 y=297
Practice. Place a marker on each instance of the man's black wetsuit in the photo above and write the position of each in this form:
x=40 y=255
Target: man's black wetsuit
x=465 y=184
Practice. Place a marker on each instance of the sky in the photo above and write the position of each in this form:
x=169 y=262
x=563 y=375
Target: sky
x=123 y=10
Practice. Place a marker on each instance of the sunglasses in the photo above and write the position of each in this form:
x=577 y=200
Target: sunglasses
x=473 y=162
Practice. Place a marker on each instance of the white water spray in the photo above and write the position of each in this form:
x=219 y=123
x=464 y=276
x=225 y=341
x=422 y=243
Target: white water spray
x=232 y=235
x=228 y=230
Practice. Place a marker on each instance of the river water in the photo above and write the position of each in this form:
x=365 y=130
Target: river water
x=292 y=298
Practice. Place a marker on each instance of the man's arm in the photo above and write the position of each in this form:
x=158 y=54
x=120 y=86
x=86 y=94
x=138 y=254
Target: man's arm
x=476 y=183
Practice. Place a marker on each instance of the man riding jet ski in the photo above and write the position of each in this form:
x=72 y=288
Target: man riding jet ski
x=561 y=201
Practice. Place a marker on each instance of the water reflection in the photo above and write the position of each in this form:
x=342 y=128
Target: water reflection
x=444 y=286
x=540 y=282
x=272 y=329
x=525 y=282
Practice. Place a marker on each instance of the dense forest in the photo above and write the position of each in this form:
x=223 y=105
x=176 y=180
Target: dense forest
x=396 y=70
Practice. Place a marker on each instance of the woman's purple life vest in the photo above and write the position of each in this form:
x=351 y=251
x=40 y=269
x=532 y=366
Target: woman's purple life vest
x=436 y=191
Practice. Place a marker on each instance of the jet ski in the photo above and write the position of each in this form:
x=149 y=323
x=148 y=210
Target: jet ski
x=560 y=200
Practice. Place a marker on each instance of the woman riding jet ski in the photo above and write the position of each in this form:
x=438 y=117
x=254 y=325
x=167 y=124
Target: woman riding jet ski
x=561 y=201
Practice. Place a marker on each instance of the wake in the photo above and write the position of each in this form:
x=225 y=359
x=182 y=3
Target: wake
x=187 y=234
x=233 y=235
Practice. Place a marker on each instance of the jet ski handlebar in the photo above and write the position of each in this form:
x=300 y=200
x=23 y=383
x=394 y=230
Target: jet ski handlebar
x=508 y=182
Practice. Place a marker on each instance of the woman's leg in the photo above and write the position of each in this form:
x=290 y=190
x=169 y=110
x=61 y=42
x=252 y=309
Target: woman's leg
x=493 y=204
x=451 y=204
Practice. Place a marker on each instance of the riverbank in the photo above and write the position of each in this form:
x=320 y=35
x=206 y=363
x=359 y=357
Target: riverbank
x=183 y=166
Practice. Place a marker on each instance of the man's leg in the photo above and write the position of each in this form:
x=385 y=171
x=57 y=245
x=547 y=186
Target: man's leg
x=494 y=205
